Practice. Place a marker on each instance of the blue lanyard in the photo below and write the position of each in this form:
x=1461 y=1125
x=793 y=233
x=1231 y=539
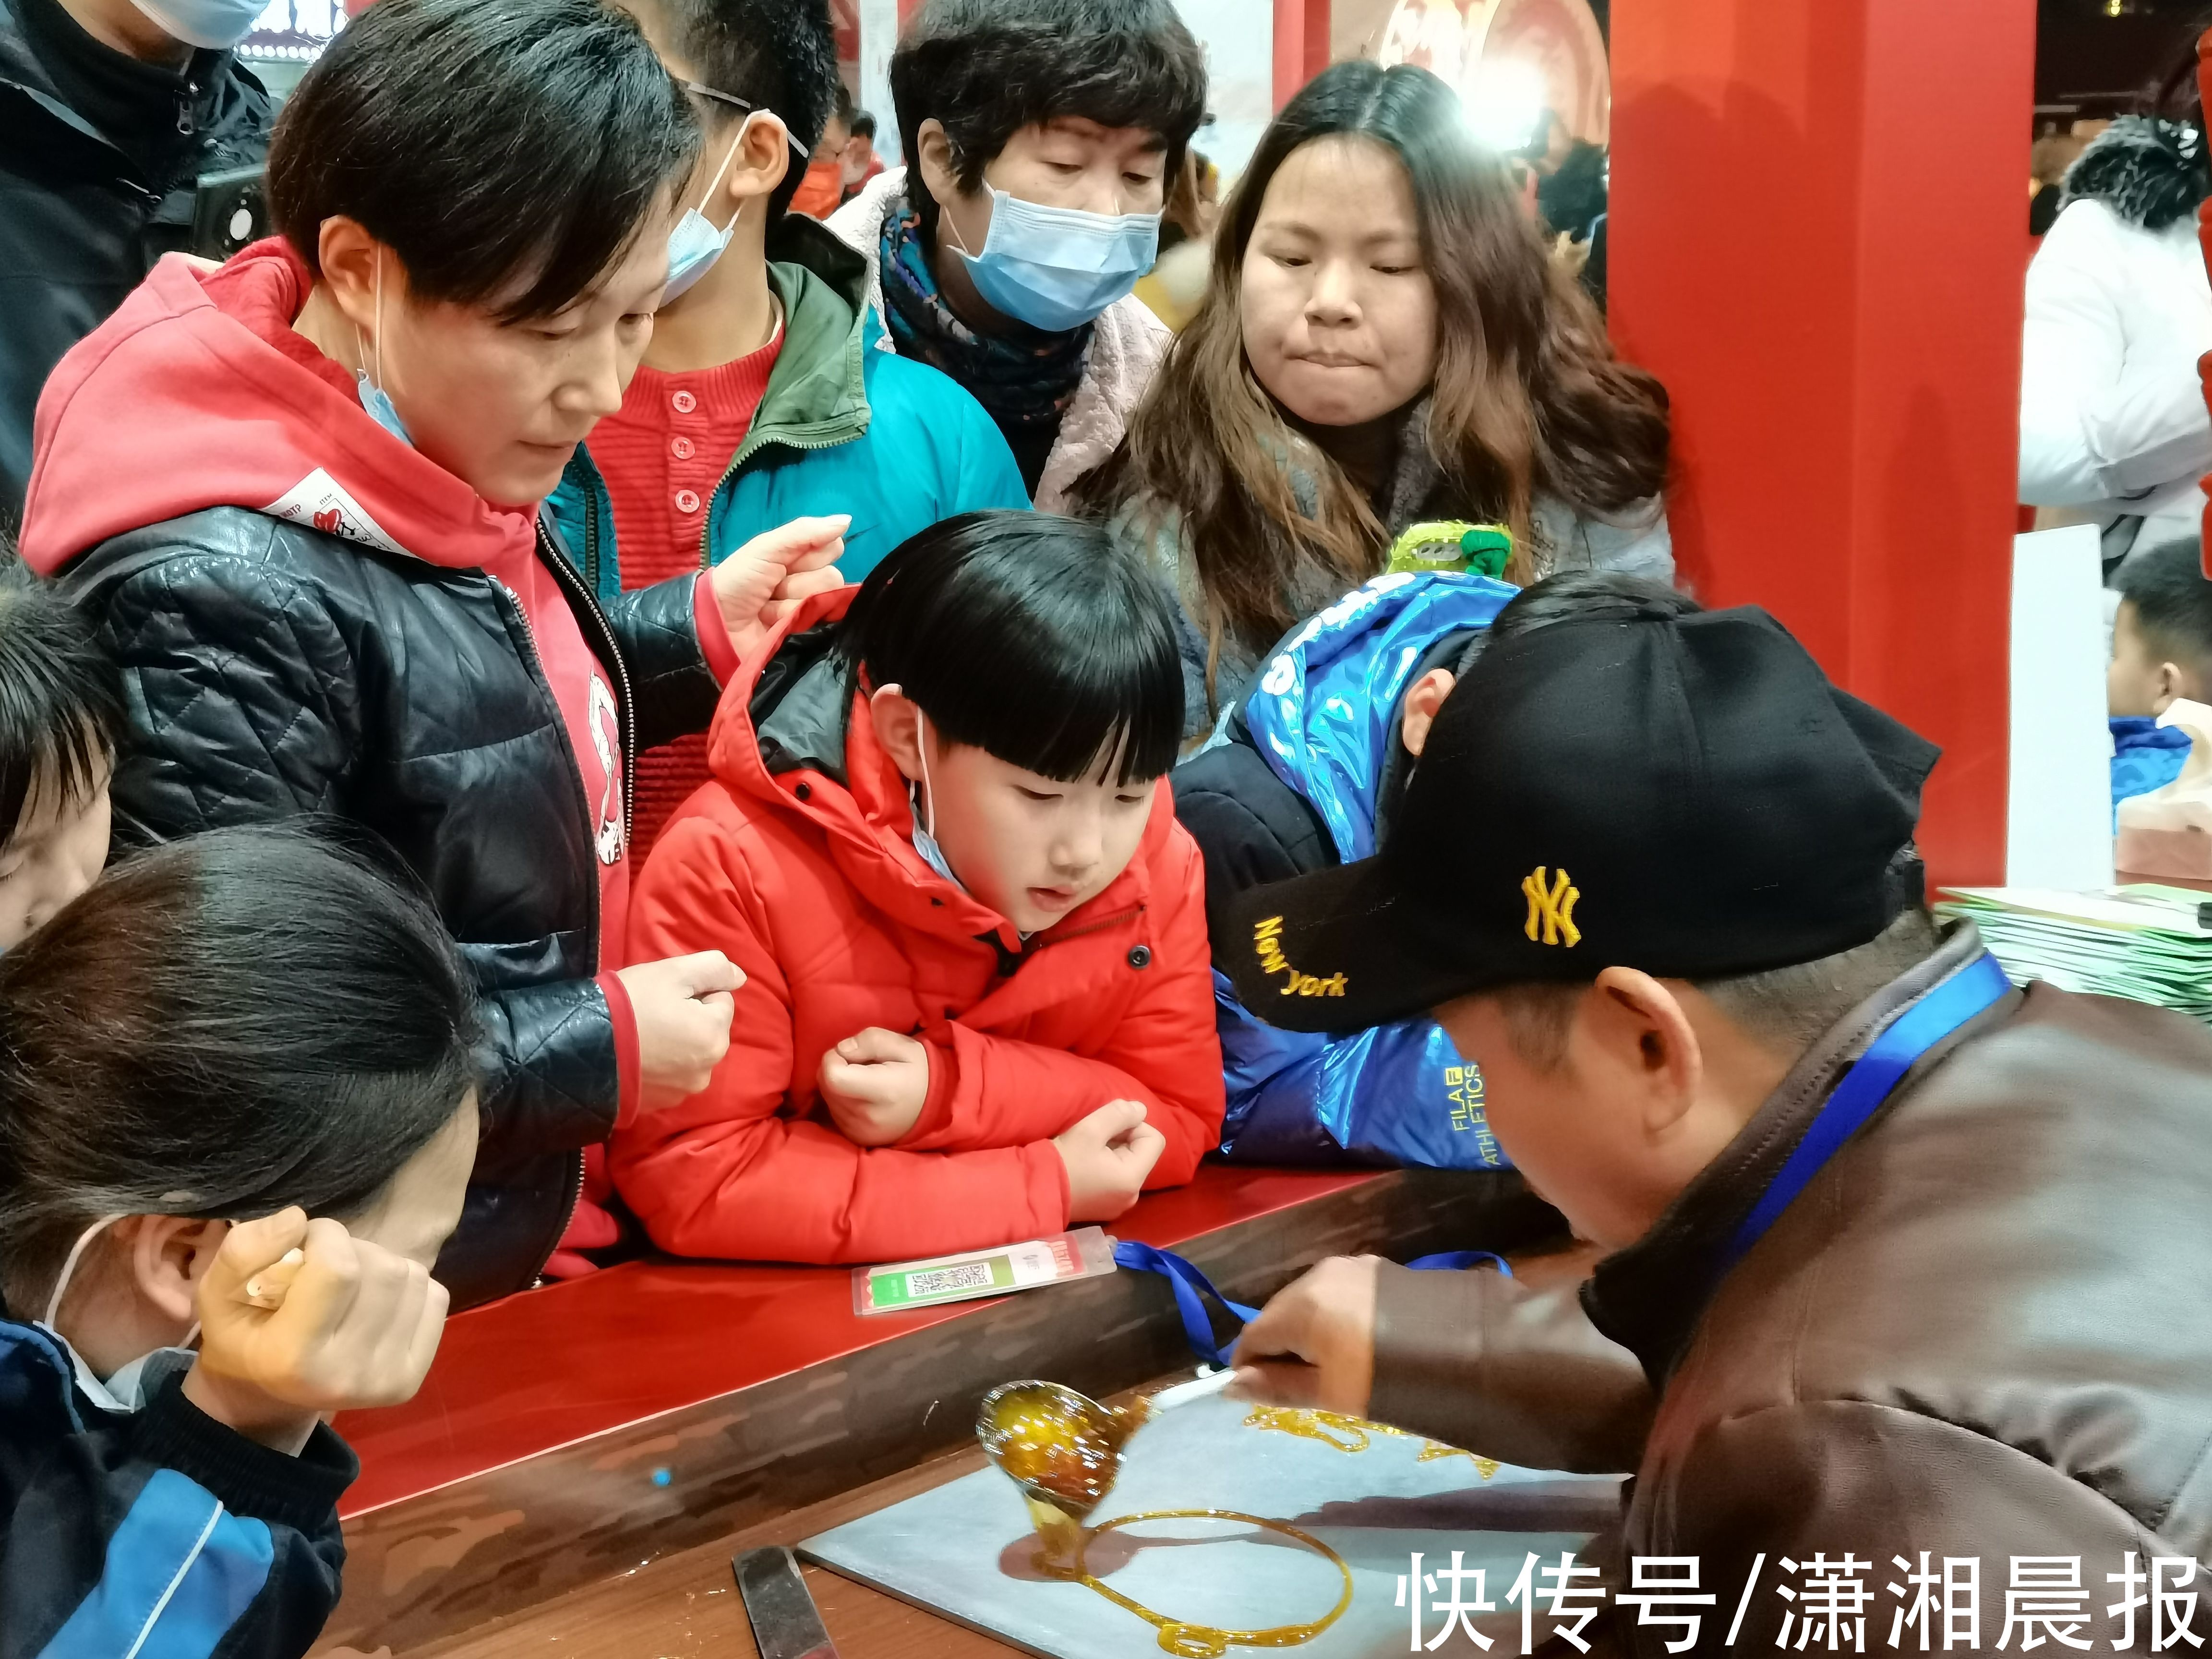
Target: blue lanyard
x=1872 y=1076
x=1868 y=1082
x=1191 y=1287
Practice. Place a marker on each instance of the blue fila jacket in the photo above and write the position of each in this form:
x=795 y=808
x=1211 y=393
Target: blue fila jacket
x=161 y=1534
x=1293 y=780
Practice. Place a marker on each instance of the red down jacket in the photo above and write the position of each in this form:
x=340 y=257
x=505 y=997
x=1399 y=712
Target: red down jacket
x=796 y=858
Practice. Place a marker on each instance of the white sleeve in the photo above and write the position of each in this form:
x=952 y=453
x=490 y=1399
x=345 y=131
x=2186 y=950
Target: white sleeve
x=2109 y=403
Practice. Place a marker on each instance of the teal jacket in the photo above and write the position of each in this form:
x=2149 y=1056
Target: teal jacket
x=841 y=428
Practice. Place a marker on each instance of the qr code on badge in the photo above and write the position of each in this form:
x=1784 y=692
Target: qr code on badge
x=967 y=1276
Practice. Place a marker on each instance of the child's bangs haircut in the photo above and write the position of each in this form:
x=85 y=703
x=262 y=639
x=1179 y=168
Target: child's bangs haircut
x=1031 y=637
x=61 y=700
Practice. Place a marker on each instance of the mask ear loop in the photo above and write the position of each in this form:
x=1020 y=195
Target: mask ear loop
x=922 y=749
x=379 y=320
x=69 y=1266
x=928 y=804
x=958 y=241
x=723 y=171
x=374 y=350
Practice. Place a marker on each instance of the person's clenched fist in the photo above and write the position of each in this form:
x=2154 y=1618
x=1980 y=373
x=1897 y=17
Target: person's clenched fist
x=875 y=1083
x=357 y=1326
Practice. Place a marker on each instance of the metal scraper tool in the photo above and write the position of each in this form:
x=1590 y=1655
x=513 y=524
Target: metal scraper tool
x=786 y=1625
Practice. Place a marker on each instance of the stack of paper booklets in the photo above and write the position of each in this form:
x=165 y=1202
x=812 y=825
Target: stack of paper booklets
x=2149 y=943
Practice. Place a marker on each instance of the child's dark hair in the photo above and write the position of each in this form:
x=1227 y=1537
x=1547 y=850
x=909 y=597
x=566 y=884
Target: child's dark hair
x=1031 y=636
x=983 y=69
x=61 y=699
x=218 y=1028
x=1574 y=594
x=779 y=55
x=863 y=124
x=2172 y=602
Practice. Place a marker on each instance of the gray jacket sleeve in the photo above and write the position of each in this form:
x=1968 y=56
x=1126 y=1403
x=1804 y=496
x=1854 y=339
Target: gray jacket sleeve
x=1635 y=542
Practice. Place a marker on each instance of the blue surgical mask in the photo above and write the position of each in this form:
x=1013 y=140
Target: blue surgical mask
x=378 y=402
x=695 y=244
x=215 y=25
x=1057 y=268
x=373 y=399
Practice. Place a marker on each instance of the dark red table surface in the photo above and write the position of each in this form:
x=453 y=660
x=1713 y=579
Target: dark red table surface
x=572 y=1360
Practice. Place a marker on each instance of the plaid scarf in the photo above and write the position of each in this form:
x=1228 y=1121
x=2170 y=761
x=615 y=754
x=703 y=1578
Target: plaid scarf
x=1025 y=379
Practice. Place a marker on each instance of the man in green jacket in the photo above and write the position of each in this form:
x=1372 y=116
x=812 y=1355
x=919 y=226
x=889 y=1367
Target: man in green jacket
x=755 y=402
x=756 y=399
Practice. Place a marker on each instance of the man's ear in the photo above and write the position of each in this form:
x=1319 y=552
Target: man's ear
x=762 y=159
x=168 y=1256
x=1422 y=702
x=897 y=721
x=1649 y=1038
x=933 y=158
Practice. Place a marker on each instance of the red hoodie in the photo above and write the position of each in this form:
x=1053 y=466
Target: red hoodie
x=813 y=888
x=198 y=393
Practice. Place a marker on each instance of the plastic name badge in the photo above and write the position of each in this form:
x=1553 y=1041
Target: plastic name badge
x=1086 y=1253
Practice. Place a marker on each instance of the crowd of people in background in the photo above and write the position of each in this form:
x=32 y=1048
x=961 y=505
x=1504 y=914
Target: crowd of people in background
x=648 y=680
x=2114 y=431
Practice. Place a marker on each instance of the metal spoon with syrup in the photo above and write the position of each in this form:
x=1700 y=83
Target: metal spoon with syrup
x=1064 y=1449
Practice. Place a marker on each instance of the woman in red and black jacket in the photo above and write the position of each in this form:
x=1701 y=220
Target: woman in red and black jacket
x=299 y=495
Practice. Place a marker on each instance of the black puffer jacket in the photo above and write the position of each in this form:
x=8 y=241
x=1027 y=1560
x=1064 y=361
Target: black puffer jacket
x=275 y=671
x=83 y=217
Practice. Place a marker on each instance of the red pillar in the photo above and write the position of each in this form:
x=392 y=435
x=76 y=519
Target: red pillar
x=1816 y=244
x=1301 y=44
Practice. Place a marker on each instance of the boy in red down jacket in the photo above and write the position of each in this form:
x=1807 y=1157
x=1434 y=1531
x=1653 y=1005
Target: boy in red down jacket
x=938 y=841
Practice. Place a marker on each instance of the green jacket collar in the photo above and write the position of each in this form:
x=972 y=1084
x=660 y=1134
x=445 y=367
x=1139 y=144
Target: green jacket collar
x=816 y=397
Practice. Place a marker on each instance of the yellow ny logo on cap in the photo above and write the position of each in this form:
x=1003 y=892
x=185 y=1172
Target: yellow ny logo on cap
x=1552 y=908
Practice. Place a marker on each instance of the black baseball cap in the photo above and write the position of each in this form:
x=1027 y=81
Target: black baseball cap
x=1687 y=794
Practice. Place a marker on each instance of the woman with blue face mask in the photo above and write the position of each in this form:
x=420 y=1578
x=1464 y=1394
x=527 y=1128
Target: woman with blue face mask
x=191 y=1279
x=1040 y=135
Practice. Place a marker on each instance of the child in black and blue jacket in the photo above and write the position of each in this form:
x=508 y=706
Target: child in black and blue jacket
x=161 y=1500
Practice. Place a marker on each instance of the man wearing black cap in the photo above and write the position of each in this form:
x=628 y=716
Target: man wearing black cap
x=1916 y=1265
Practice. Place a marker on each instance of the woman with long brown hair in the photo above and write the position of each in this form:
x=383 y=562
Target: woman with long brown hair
x=1385 y=340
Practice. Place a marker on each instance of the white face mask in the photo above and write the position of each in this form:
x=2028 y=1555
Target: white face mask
x=124 y=1391
x=373 y=398
x=1053 y=268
